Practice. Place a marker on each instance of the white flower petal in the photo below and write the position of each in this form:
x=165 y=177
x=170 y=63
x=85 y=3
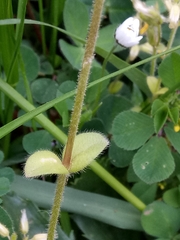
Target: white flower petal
x=127 y=33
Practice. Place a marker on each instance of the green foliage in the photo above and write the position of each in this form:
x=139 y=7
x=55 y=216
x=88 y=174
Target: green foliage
x=131 y=130
x=172 y=197
x=153 y=162
x=37 y=140
x=6 y=220
x=145 y=192
x=37 y=219
x=160 y=220
x=112 y=211
x=120 y=157
x=160 y=113
x=135 y=104
x=169 y=70
x=73 y=21
x=73 y=54
x=110 y=108
x=44 y=90
x=173 y=137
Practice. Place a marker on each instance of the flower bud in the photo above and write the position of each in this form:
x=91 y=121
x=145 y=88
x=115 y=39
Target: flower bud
x=24 y=222
x=127 y=33
x=41 y=236
x=134 y=51
x=4 y=232
x=150 y=15
x=153 y=84
x=146 y=47
x=154 y=35
x=174 y=16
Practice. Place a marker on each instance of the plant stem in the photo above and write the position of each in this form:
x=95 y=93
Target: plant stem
x=61 y=182
x=153 y=63
x=171 y=38
x=106 y=59
x=83 y=79
x=42 y=27
x=75 y=117
x=54 y=18
x=117 y=186
x=96 y=102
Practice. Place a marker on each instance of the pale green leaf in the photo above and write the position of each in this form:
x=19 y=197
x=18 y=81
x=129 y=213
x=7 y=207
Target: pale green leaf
x=43 y=162
x=87 y=146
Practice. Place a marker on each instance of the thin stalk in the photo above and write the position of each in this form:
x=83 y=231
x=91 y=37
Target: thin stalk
x=117 y=186
x=42 y=27
x=106 y=59
x=54 y=15
x=153 y=63
x=171 y=37
x=61 y=182
x=27 y=86
x=76 y=114
x=83 y=79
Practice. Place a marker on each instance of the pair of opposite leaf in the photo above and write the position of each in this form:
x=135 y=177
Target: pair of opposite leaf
x=87 y=146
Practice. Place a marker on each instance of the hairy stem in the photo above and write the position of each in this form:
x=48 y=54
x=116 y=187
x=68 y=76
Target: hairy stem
x=83 y=79
x=79 y=99
x=61 y=182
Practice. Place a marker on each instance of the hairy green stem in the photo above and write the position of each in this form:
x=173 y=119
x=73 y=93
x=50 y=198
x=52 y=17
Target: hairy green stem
x=171 y=37
x=75 y=118
x=83 y=79
x=61 y=182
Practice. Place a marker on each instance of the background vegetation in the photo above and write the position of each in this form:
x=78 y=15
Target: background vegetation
x=132 y=190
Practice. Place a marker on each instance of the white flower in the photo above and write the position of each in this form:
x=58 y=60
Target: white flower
x=4 y=232
x=141 y=7
x=149 y=14
x=174 y=15
x=24 y=222
x=127 y=33
x=174 y=12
